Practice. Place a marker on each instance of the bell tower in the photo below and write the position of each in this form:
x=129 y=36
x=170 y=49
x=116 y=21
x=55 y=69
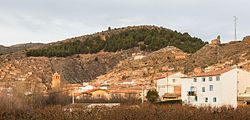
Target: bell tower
x=56 y=80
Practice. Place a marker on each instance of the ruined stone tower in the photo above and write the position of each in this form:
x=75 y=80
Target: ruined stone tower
x=216 y=41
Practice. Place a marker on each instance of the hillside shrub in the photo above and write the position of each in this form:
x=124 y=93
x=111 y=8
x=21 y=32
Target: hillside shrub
x=149 y=39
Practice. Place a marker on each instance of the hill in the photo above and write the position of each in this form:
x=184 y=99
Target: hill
x=148 y=38
x=18 y=47
x=142 y=68
x=232 y=52
x=127 y=63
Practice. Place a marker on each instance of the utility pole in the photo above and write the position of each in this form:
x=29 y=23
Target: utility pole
x=73 y=97
x=235 y=23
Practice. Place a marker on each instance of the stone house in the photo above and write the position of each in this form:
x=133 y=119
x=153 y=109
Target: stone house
x=94 y=94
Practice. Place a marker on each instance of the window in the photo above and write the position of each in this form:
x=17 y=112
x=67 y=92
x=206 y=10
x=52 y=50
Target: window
x=195 y=98
x=203 y=89
x=195 y=79
x=214 y=99
x=210 y=79
x=203 y=79
x=191 y=93
x=192 y=88
x=173 y=80
x=206 y=99
x=211 y=87
x=217 y=78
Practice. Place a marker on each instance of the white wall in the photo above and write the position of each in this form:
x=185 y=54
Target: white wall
x=166 y=85
x=186 y=83
x=229 y=88
x=243 y=82
x=86 y=88
x=224 y=90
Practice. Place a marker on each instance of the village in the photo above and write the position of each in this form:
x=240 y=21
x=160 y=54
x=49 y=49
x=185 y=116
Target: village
x=124 y=60
x=217 y=85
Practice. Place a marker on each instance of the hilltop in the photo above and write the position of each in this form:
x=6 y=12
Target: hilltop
x=147 y=38
x=18 y=47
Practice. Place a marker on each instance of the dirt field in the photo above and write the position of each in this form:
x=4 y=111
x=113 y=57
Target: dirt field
x=129 y=112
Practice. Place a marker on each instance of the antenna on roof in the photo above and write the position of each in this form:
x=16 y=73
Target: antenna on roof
x=235 y=23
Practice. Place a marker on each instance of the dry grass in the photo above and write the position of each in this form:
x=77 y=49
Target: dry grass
x=128 y=112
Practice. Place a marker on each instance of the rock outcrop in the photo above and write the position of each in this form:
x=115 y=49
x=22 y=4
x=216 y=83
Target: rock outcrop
x=216 y=41
x=247 y=38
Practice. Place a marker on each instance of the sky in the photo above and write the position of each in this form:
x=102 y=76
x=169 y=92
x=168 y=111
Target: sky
x=44 y=21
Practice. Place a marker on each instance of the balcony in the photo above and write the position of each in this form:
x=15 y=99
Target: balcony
x=191 y=93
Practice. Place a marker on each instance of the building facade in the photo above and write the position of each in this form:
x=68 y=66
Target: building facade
x=93 y=94
x=169 y=85
x=216 y=88
x=85 y=88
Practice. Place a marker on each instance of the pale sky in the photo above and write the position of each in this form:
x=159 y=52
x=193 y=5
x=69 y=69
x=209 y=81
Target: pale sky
x=24 y=21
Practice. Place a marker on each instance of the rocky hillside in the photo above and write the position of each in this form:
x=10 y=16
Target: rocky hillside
x=143 y=67
x=232 y=52
x=123 y=64
x=74 y=69
x=16 y=48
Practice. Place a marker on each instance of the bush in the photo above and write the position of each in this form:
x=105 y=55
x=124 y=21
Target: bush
x=152 y=96
x=96 y=59
x=131 y=112
x=169 y=102
x=143 y=47
x=58 y=99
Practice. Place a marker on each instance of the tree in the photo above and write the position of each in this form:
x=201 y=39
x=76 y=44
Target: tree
x=152 y=96
x=143 y=47
x=146 y=39
x=96 y=59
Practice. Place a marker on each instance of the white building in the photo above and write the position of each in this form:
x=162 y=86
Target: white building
x=170 y=84
x=86 y=88
x=216 y=88
x=130 y=82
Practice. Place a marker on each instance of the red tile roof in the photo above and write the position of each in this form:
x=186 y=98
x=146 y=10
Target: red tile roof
x=124 y=91
x=74 y=85
x=93 y=90
x=211 y=73
x=128 y=81
x=98 y=85
x=89 y=91
x=165 y=75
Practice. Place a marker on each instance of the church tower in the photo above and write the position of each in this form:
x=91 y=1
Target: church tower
x=56 y=80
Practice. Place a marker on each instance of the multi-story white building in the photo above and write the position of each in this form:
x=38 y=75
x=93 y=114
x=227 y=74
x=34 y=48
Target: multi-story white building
x=218 y=88
x=170 y=84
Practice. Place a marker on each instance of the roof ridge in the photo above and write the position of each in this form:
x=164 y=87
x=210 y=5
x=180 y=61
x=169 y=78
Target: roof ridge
x=213 y=73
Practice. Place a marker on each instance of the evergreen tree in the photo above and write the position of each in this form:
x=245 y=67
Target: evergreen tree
x=149 y=39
